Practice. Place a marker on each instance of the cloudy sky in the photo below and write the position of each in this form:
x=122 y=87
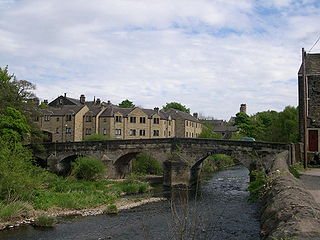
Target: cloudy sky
x=210 y=55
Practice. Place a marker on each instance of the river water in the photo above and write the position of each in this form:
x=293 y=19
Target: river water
x=220 y=211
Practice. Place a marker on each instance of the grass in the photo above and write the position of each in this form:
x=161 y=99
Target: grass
x=112 y=209
x=13 y=210
x=257 y=186
x=71 y=193
x=294 y=170
x=44 y=221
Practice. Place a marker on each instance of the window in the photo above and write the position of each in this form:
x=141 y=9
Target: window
x=104 y=119
x=68 y=130
x=58 y=119
x=68 y=118
x=132 y=132
x=60 y=101
x=88 y=118
x=47 y=118
x=88 y=131
x=118 y=119
x=155 y=132
x=132 y=119
x=169 y=133
x=186 y=123
x=186 y=134
x=191 y=134
x=57 y=130
x=142 y=132
x=169 y=123
x=156 y=120
x=104 y=131
x=142 y=120
x=36 y=119
x=118 y=131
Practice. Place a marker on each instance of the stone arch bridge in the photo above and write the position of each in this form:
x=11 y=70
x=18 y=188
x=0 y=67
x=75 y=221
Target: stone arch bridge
x=181 y=157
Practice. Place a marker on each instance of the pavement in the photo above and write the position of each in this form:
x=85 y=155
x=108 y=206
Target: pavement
x=311 y=179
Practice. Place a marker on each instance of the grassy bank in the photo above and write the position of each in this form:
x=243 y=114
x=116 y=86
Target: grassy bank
x=68 y=193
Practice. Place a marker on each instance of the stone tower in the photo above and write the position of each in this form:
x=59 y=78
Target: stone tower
x=243 y=108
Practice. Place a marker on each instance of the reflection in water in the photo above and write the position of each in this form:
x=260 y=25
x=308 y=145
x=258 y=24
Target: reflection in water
x=219 y=211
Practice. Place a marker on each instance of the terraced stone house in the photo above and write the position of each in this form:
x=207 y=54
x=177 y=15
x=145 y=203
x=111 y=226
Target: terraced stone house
x=68 y=119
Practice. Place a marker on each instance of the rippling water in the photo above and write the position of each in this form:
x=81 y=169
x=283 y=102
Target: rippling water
x=220 y=211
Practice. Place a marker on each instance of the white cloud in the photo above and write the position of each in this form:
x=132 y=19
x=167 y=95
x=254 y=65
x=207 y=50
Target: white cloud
x=210 y=55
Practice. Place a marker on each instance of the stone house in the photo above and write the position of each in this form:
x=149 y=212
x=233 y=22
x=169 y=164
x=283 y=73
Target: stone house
x=69 y=119
x=309 y=101
x=186 y=125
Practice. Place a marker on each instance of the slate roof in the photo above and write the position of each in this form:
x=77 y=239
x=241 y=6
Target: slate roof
x=66 y=109
x=112 y=109
x=177 y=114
x=312 y=64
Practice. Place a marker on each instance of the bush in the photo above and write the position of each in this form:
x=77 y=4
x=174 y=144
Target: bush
x=144 y=164
x=258 y=185
x=96 y=137
x=18 y=176
x=44 y=221
x=87 y=168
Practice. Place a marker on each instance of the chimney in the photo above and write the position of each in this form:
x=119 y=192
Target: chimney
x=156 y=109
x=98 y=101
x=195 y=115
x=82 y=99
x=243 y=108
x=109 y=103
x=65 y=95
x=45 y=101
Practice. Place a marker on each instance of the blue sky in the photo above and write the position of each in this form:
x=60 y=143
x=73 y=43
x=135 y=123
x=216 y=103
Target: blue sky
x=210 y=55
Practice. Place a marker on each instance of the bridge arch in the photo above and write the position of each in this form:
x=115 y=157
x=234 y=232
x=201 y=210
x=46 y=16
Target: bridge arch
x=122 y=166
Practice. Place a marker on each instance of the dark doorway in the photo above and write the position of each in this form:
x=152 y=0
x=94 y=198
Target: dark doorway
x=313 y=140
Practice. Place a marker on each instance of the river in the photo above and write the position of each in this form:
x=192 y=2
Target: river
x=220 y=211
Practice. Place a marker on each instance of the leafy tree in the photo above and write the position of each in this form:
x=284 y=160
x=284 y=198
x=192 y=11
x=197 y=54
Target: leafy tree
x=176 y=105
x=14 y=93
x=208 y=133
x=13 y=125
x=126 y=104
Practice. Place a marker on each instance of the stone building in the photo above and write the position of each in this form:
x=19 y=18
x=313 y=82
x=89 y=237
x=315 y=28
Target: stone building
x=186 y=125
x=69 y=119
x=309 y=100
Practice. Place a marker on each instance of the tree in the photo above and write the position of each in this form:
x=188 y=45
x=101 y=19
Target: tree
x=14 y=93
x=176 y=105
x=126 y=104
x=13 y=125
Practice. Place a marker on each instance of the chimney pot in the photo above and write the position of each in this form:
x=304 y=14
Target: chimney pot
x=82 y=99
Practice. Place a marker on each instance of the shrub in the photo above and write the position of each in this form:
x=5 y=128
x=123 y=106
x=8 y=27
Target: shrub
x=144 y=164
x=258 y=185
x=111 y=209
x=96 y=137
x=44 y=221
x=13 y=210
x=18 y=176
x=87 y=168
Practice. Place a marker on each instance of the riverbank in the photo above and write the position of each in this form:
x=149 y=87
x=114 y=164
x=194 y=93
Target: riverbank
x=121 y=204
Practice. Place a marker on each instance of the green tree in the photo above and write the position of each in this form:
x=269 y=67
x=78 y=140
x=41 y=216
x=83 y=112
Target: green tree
x=126 y=104
x=13 y=125
x=176 y=105
x=14 y=93
x=88 y=168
